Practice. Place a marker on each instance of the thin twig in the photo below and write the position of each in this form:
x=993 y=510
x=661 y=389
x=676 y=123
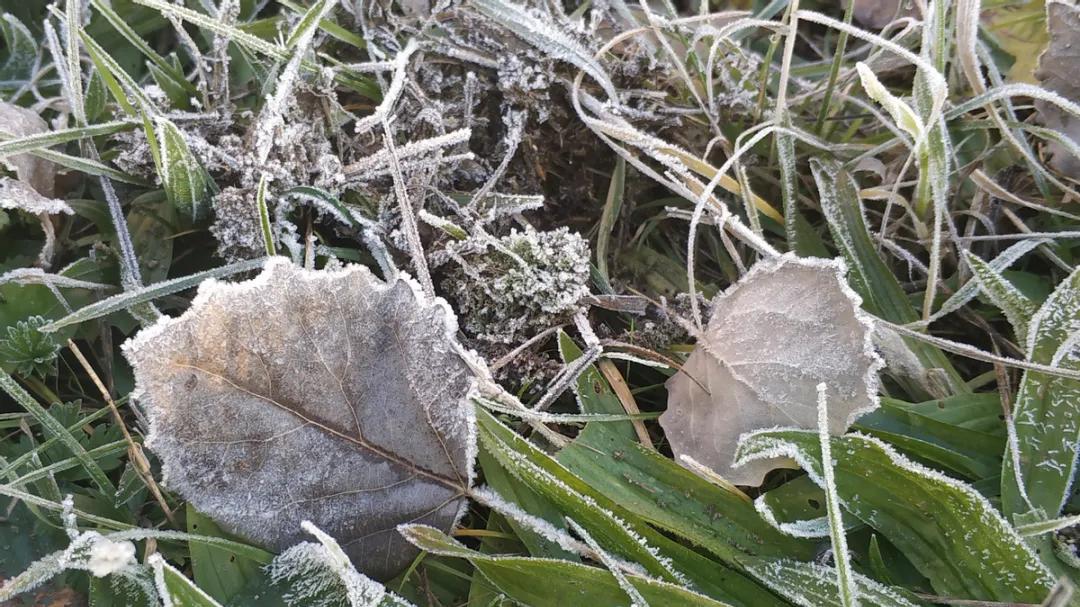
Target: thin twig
x=135 y=454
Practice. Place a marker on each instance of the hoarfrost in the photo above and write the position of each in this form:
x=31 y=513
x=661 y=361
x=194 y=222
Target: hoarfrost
x=321 y=575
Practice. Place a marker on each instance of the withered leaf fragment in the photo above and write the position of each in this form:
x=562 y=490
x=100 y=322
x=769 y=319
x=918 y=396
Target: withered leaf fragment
x=1057 y=72
x=789 y=324
x=328 y=396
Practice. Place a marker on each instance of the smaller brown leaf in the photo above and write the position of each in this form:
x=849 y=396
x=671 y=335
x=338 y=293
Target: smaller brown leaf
x=38 y=173
x=788 y=325
x=1057 y=71
x=35 y=185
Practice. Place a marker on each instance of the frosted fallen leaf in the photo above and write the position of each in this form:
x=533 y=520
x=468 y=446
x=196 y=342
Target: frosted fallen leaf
x=787 y=326
x=1057 y=71
x=328 y=396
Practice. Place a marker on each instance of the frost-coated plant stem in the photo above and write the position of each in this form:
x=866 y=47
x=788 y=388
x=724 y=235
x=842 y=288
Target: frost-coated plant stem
x=408 y=217
x=844 y=579
x=785 y=144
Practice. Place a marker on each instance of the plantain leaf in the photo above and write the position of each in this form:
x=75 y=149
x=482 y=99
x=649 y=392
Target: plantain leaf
x=21 y=56
x=186 y=182
x=812 y=585
x=950 y=532
x=618 y=530
x=1047 y=409
x=313 y=395
x=739 y=379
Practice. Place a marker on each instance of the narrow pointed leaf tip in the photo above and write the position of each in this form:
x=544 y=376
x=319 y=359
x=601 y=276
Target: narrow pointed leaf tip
x=902 y=113
x=788 y=325
x=328 y=396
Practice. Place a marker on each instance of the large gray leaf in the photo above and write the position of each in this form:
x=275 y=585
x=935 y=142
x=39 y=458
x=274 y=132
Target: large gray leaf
x=327 y=396
x=788 y=325
x=1057 y=70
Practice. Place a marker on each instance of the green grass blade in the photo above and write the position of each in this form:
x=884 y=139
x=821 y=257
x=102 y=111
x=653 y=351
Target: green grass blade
x=517 y=577
x=56 y=429
x=145 y=294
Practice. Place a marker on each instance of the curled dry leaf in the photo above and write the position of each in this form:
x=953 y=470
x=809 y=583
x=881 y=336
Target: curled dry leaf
x=1057 y=71
x=35 y=185
x=40 y=174
x=787 y=326
x=328 y=396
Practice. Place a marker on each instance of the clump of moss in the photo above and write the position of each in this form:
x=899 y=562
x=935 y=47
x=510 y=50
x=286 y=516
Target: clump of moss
x=508 y=289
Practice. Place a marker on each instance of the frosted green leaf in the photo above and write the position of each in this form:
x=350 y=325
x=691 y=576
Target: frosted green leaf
x=1016 y=306
x=328 y=396
x=811 y=585
x=176 y=590
x=320 y=575
x=22 y=53
x=901 y=113
x=788 y=325
x=1047 y=409
x=186 y=182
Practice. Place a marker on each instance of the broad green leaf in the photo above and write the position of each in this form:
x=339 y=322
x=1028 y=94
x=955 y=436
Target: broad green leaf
x=568 y=583
x=186 y=182
x=594 y=394
x=973 y=453
x=615 y=528
x=813 y=585
x=1047 y=409
x=660 y=491
x=506 y=485
x=221 y=573
x=546 y=477
x=950 y=532
x=21 y=55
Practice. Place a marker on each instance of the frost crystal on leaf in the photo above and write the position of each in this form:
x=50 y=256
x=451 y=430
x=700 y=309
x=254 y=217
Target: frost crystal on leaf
x=327 y=396
x=787 y=326
x=320 y=575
